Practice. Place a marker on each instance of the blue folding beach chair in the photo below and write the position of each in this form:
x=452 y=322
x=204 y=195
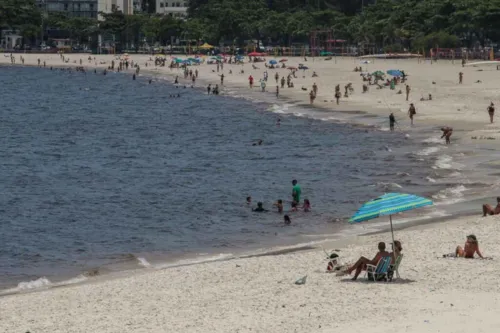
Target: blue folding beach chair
x=378 y=272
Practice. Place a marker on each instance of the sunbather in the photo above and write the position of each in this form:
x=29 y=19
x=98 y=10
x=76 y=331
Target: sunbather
x=471 y=247
x=488 y=210
x=360 y=265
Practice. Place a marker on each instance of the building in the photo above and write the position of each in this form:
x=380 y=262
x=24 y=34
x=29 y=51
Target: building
x=73 y=8
x=124 y=6
x=175 y=8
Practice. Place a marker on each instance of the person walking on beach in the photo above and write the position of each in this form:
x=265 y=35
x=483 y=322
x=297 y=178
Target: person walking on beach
x=263 y=85
x=412 y=112
x=491 y=111
x=392 y=121
x=276 y=77
x=282 y=82
x=315 y=88
x=296 y=191
x=222 y=79
x=447 y=132
x=460 y=77
x=277 y=91
x=250 y=81
x=209 y=89
x=408 y=89
x=337 y=96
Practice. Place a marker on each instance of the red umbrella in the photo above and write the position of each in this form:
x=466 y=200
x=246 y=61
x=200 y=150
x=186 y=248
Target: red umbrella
x=256 y=54
x=292 y=68
x=283 y=60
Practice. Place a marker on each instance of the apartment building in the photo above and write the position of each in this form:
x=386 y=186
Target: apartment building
x=74 y=8
x=176 y=8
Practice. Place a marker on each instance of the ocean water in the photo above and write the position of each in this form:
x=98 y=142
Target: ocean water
x=98 y=170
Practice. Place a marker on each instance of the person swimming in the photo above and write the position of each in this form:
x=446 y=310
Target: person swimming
x=249 y=200
x=259 y=208
x=307 y=205
x=287 y=220
x=279 y=204
x=258 y=143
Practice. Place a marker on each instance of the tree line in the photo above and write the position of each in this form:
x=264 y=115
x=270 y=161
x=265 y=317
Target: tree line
x=395 y=24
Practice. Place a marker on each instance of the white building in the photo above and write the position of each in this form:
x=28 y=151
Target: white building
x=108 y=6
x=175 y=8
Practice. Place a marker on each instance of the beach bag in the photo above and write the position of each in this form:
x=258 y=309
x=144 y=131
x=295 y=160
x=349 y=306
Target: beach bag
x=333 y=262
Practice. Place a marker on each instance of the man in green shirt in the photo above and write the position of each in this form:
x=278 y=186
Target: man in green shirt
x=296 y=191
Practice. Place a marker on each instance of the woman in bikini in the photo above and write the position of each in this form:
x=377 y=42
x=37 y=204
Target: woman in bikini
x=471 y=247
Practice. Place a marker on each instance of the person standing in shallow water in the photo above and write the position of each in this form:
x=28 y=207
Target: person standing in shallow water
x=412 y=112
x=447 y=132
x=460 y=78
x=296 y=191
x=392 y=121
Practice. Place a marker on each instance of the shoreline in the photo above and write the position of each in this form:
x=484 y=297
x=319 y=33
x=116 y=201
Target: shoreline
x=256 y=292
x=197 y=257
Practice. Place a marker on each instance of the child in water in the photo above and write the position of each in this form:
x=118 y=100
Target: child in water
x=294 y=206
x=307 y=205
x=249 y=200
x=287 y=220
x=259 y=208
x=279 y=205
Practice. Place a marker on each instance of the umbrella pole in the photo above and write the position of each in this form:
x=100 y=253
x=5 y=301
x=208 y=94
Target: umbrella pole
x=392 y=232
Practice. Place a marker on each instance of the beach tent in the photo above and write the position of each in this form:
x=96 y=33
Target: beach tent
x=389 y=204
x=206 y=46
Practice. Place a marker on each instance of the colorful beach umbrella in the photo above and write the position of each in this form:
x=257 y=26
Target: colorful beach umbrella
x=283 y=60
x=273 y=62
x=388 y=204
x=394 y=72
x=378 y=73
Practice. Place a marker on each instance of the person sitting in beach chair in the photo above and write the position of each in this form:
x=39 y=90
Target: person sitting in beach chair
x=396 y=257
x=470 y=248
x=362 y=262
x=488 y=210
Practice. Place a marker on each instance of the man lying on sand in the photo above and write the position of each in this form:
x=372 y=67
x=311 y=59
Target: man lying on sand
x=360 y=265
x=470 y=248
x=488 y=210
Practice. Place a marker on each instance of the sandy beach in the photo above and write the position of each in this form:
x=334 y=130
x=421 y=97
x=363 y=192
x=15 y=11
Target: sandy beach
x=258 y=294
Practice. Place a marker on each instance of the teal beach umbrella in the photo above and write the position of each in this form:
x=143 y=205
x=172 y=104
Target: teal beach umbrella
x=388 y=204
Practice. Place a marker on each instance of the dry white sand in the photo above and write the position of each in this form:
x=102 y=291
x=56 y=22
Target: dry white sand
x=258 y=294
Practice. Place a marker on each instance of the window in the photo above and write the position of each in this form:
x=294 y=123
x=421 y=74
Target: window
x=65 y=6
x=178 y=4
x=162 y=4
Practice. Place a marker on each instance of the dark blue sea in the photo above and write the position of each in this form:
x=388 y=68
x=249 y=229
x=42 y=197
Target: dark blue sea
x=98 y=171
